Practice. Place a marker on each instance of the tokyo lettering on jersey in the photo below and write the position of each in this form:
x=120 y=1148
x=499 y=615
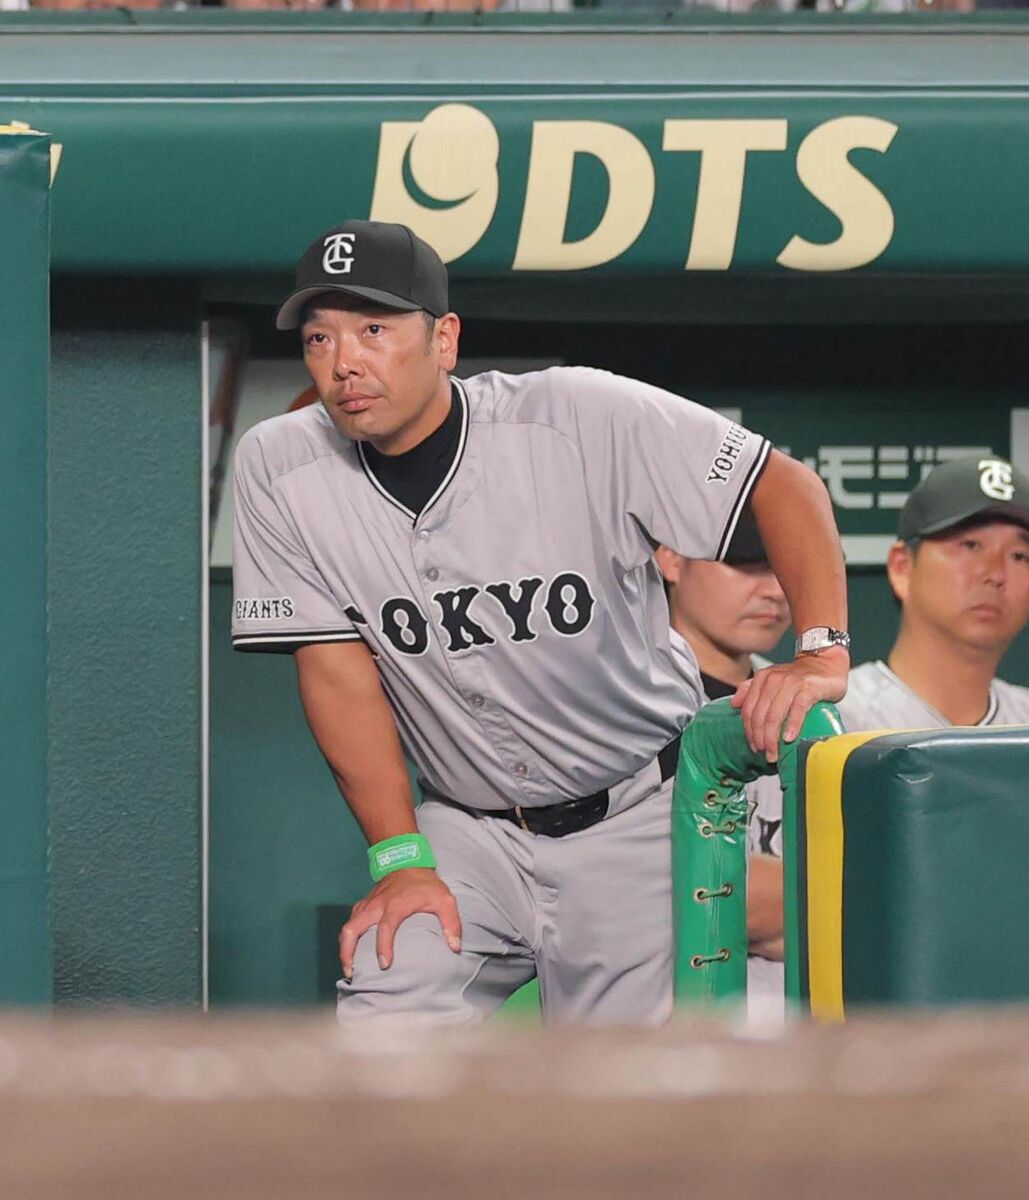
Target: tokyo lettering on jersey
x=518 y=621
x=878 y=699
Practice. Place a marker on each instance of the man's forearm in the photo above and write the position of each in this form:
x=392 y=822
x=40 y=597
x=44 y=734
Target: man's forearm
x=353 y=725
x=380 y=800
x=795 y=518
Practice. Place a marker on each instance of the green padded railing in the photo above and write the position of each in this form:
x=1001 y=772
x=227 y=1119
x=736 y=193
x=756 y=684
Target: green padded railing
x=709 y=847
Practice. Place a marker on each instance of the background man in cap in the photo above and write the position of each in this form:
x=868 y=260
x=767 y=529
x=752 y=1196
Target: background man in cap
x=725 y=617
x=465 y=569
x=960 y=571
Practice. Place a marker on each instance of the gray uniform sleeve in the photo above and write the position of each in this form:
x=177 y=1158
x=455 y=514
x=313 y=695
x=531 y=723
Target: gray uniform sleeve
x=280 y=599
x=659 y=462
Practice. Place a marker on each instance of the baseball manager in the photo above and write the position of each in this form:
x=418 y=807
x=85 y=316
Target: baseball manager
x=464 y=571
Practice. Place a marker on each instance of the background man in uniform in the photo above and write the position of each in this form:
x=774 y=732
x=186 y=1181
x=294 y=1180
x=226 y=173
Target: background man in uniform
x=464 y=569
x=960 y=571
x=725 y=617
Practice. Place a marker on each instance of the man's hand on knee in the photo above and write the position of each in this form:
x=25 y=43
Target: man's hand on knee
x=392 y=901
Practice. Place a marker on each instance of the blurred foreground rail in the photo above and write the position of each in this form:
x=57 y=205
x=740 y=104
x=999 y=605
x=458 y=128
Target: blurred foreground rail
x=155 y=1107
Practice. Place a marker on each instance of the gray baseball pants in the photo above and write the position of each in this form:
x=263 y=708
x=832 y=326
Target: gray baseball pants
x=588 y=913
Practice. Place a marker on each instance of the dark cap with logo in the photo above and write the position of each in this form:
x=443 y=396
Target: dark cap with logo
x=978 y=486
x=384 y=263
x=745 y=546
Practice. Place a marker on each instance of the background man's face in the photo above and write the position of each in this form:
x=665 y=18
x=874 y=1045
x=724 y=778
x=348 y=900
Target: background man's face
x=971 y=584
x=741 y=609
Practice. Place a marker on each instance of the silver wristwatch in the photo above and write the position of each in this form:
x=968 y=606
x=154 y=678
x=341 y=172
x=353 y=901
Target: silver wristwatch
x=820 y=637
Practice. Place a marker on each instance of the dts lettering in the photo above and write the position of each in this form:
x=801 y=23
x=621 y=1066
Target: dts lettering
x=452 y=158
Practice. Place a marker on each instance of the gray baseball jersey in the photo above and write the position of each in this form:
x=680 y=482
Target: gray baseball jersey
x=766 y=978
x=519 y=621
x=877 y=699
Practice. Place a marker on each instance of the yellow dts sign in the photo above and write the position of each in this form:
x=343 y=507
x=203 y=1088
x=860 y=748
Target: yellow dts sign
x=452 y=156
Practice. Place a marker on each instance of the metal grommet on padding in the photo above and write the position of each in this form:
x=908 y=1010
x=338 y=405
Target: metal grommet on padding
x=703 y=894
x=708 y=830
x=701 y=960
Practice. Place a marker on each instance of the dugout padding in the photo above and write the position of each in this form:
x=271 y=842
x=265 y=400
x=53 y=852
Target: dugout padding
x=909 y=855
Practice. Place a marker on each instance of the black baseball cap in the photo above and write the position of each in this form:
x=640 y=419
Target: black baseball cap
x=956 y=491
x=745 y=546
x=373 y=259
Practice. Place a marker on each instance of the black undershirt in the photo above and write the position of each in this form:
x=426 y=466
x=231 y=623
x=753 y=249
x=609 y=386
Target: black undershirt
x=413 y=477
x=715 y=689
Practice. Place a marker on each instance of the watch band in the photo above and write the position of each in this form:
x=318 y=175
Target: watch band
x=820 y=637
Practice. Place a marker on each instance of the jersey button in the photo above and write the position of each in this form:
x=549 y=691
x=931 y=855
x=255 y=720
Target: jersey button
x=478 y=701
x=432 y=574
x=423 y=535
x=521 y=769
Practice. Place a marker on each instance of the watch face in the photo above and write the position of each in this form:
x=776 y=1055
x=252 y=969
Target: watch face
x=821 y=638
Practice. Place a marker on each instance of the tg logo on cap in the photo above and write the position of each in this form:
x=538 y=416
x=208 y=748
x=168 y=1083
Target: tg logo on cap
x=995 y=479
x=339 y=250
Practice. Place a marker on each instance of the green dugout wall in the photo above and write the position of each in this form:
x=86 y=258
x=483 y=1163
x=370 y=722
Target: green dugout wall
x=25 y=961
x=819 y=222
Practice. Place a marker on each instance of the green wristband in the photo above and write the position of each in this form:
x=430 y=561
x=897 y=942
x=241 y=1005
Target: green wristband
x=396 y=853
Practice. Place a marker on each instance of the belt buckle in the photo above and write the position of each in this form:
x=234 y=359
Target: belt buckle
x=520 y=818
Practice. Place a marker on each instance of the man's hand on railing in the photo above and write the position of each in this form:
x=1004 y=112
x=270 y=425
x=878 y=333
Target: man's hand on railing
x=779 y=697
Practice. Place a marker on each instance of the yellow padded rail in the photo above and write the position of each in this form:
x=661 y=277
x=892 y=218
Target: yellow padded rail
x=826 y=762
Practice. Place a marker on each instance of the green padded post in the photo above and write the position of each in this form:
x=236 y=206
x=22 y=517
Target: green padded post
x=709 y=847
x=26 y=975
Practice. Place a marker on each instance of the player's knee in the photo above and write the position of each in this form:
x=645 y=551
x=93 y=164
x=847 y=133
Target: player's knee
x=426 y=978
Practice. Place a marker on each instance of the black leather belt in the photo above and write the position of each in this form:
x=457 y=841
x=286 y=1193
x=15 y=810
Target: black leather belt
x=556 y=820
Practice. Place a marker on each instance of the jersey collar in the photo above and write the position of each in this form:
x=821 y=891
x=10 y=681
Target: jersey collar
x=895 y=679
x=460 y=398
